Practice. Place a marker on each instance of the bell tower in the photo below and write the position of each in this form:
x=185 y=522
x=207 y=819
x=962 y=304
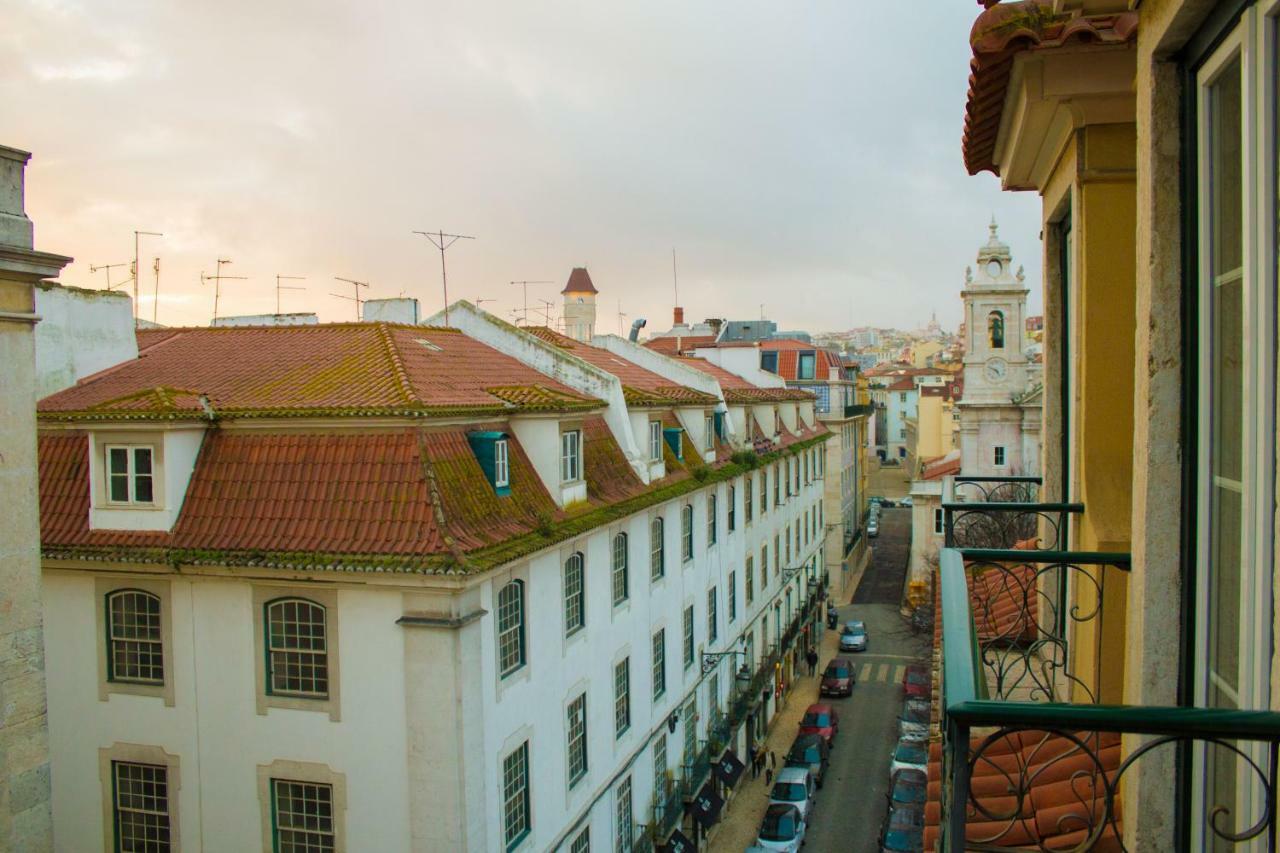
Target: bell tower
x=995 y=314
x=580 y=305
x=1000 y=412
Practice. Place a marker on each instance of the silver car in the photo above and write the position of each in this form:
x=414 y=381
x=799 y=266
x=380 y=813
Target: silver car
x=853 y=636
x=794 y=786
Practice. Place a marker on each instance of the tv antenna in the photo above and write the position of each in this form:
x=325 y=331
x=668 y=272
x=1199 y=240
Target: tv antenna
x=524 y=285
x=136 y=236
x=155 y=302
x=547 y=305
x=355 y=286
x=621 y=315
x=480 y=302
x=217 y=278
x=443 y=241
x=280 y=287
x=107 y=268
x=675 y=277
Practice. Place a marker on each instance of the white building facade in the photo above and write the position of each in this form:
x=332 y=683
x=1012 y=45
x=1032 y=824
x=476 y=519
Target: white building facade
x=526 y=648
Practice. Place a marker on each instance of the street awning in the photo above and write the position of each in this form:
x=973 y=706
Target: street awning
x=729 y=768
x=706 y=806
x=677 y=843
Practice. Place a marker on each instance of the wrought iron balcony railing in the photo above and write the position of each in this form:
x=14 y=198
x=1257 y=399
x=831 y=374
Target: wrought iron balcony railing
x=1032 y=753
x=1003 y=512
x=997 y=489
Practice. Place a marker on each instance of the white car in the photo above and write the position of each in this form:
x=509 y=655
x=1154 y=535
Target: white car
x=782 y=829
x=909 y=754
x=794 y=786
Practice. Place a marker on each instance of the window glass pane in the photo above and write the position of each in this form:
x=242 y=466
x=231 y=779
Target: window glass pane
x=577 y=739
x=619 y=568
x=659 y=663
x=304 y=821
x=296 y=649
x=573 y=594
x=133 y=626
x=515 y=795
x=656 y=549
x=511 y=627
x=1226 y=370
x=141 y=806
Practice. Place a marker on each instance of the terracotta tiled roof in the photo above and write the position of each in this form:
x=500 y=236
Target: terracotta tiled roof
x=905 y=384
x=610 y=476
x=151 y=337
x=679 y=344
x=941 y=466
x=789 y=358
x=738 y=390
x=1005 y=30
x=579 y=282
x=335 y=369
x=641 y=387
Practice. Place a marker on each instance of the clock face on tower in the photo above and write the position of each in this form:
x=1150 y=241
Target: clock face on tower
x=995 y=370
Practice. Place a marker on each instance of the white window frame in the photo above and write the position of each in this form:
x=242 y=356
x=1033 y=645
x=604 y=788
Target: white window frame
x=621 y=697
x=130 y=474
x=655 y=441
x=658 y=666
x=689 y=636
x=712 y=512
x=501 y=464
x=512 y=632
x=578 y=595
x=686 y=532
x=621 y=569
x=576 y=740
x=1254 y=41
x=510 y=789
x=657 y=548
x=571 y=456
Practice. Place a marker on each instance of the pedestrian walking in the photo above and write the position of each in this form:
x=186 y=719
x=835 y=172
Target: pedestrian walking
x=812 y=659
x=757 y=761
x=768 y=777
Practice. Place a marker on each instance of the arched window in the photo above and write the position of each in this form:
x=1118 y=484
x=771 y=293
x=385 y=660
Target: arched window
x=297 y=649
x=511 y=628
x=657 y=548
x=712 y=511
x=995 y=329
x=686 y=532
x=575 y=607
x=619 y=568
x=136 y=652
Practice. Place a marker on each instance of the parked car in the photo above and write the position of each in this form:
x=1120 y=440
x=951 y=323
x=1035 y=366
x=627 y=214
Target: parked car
x=914 y=721
x=812 y=753
x=821 y=719
x=917 y=683
x=910 y=754
x=908 y=787
x=875 y=499
x=873 y=528
x=903 y=830
x=887 y=503
x=794 y=786
x=838 y=678
x=853 y=636
x=905 y=501
x=782 y=829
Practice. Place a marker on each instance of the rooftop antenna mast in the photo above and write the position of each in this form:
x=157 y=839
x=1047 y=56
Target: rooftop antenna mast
x=547 y=305
x=155 y=302
x=217 y=278
x=280 y=287
x=136 y=236
x=621 y=315
x=525 y=286
x=107 y=268
x=480 y=302
x=443 y=241
x=355 y=285
x=675 y=277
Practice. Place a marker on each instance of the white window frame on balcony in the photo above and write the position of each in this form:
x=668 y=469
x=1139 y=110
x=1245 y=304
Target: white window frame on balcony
x=501 y=464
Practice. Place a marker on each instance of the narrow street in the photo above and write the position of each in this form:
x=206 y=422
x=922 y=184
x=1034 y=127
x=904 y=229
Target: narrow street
x=851 y=804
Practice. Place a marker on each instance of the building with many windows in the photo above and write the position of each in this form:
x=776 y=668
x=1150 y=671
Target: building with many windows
x=393 y=587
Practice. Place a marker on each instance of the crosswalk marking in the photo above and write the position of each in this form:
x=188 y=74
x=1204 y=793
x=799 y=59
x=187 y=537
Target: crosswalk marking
x=880 y=673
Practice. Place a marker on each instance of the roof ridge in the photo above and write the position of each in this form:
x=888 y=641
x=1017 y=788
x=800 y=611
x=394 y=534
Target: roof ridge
x=397 y=364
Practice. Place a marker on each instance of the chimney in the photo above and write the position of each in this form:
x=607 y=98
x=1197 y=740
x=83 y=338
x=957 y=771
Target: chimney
x=679 y=316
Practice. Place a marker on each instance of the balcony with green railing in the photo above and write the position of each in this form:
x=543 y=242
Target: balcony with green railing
x=1037 y=744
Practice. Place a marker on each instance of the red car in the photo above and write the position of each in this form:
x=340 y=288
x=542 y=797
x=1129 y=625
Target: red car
x=917 y=682
x=821 y=719
x=837 y=678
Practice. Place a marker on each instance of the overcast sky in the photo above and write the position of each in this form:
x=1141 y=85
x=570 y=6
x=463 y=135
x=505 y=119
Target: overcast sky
x=801 y=155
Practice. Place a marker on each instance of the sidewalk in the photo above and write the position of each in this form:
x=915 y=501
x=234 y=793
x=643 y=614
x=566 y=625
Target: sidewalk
x=741 y=820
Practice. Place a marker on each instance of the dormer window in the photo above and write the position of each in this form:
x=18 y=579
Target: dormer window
x=769 y=361
x=655 y=441
x=493 y=454
x=709 y=437
x=501 y=472
x=130 y=474
x=571 y=456
x=805 y=365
